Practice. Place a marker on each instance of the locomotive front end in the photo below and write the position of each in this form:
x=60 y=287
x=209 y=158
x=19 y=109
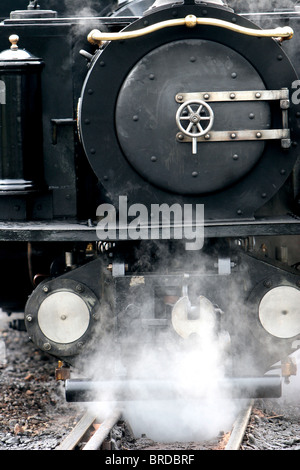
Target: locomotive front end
x=194 y=111
x=163 y=243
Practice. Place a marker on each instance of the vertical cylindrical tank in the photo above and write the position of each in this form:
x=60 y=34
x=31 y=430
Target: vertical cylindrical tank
x=20 y=120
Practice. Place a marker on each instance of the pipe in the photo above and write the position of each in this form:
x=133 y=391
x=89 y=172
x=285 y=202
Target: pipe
x=78 y=390
x=96 y=37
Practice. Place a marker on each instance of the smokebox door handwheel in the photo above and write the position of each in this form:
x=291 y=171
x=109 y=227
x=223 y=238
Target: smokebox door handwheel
x=194 y=113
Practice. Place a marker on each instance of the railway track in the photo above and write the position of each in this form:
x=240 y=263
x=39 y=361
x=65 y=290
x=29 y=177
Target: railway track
x=34 y=416
x=91 y=433
x=91 y=430
x=239 y=428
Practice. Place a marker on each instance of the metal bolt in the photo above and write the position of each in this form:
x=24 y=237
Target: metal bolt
x=258 y=135
x=207 y=136
x=258 y=95
x=232 y=96
x=47 y=346
x=206 y=96
x=179 y=97
x=79 y=288
x=233 y=136
x=29 y=318
x=46 y=289
x=190 y=21
x=285 y=104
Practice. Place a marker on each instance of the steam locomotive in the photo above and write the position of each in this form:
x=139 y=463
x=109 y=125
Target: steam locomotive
x=150 y=182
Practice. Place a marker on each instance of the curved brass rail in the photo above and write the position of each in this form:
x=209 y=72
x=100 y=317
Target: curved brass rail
x=97 y=37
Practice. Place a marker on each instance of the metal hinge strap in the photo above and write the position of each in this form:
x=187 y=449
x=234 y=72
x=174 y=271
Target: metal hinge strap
x=233 y=96
x=199 y=125
x=235 y=136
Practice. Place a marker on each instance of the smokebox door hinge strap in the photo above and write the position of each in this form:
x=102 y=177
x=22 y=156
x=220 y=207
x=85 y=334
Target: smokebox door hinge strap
x=195 y=118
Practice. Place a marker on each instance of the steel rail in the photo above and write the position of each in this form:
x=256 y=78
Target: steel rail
x=75 y=437
x=239 y=427
x=102 y=432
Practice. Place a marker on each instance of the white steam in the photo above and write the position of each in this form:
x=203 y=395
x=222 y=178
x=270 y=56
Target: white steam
x=199 y=408
x=201 y=411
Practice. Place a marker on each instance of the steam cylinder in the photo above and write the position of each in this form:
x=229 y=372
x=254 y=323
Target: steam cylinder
x=20 y=120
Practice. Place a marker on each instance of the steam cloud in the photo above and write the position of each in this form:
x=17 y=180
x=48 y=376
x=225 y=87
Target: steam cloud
x=196 y=367
x=195 y=373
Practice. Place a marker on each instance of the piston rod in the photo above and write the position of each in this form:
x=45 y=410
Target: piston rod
x=78 y=390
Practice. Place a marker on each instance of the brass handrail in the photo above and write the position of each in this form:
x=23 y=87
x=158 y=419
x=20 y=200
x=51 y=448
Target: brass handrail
x=97 y=37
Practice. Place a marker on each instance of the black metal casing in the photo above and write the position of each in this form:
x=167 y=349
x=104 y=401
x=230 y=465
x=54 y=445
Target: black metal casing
x=239 y=199
x=76 y=198
x=21 y=118
x=63 y=160
x=99 y=138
